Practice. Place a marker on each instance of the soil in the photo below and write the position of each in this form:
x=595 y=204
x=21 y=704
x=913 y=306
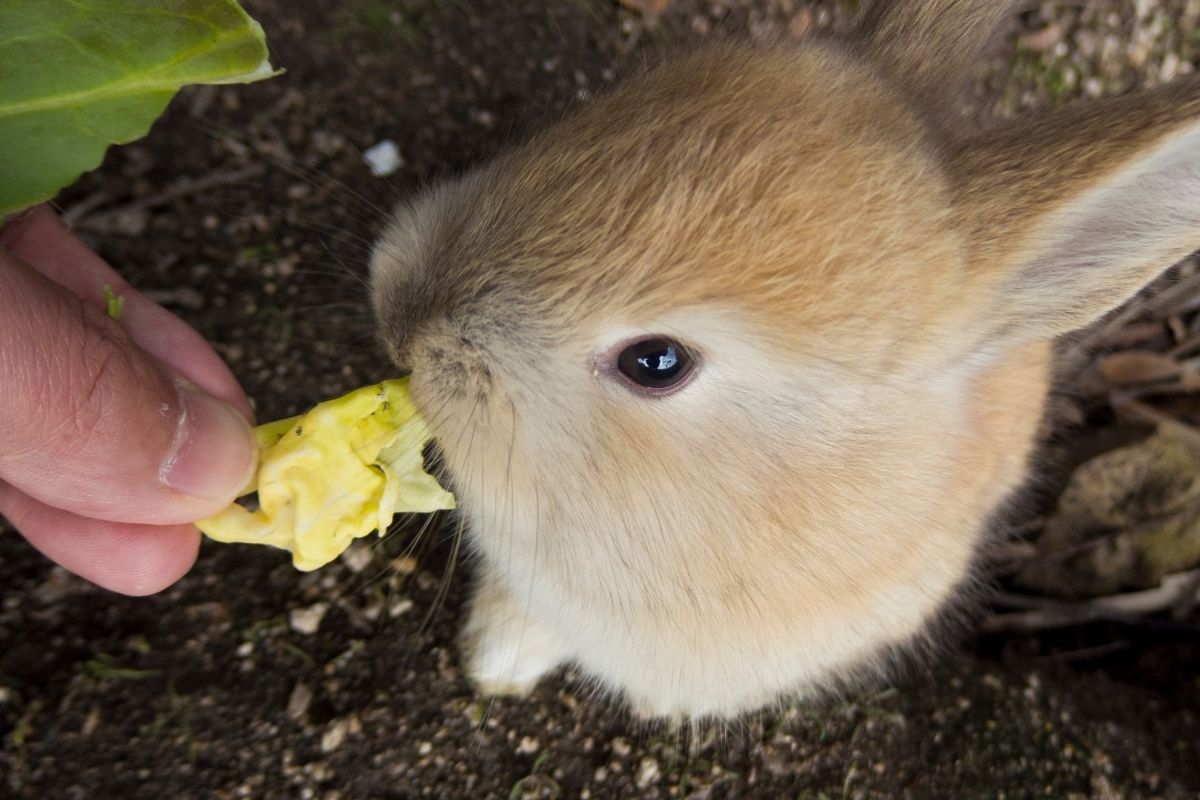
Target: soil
x=249 y=679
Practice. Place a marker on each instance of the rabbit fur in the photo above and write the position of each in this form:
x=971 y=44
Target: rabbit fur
x=871 y=289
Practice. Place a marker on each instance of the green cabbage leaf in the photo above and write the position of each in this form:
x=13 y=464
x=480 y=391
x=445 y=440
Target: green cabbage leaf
x=79 y=75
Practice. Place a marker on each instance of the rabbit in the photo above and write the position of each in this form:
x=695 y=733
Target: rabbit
x=732 y=370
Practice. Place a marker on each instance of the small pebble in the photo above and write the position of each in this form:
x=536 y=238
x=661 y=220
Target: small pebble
x=299 y=701
x=648 y=773
x=308 y=620
x=357 y=557
x=334 y=735
x=383 y=158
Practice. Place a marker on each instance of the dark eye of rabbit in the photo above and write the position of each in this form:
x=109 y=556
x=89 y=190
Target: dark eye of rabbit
x=656 y=363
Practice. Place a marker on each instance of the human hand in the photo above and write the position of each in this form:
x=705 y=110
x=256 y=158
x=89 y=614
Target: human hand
x=114 y=436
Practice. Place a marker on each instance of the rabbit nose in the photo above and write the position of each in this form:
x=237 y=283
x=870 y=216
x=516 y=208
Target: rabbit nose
x=402 y=347
x=400 y=358
x=406 y=309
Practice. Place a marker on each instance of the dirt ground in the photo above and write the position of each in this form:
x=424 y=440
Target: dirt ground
x=249 y=211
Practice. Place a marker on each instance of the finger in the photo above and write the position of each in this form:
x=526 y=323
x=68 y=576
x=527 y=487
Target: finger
x=43 y=241
x=130 y=559
x=89 y=423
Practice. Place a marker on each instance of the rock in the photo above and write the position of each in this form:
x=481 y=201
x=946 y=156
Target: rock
x=334 y=735
x=648 y=773
x=308 y=620
x=299 y=701
x=1127 y=518
x=383 y=158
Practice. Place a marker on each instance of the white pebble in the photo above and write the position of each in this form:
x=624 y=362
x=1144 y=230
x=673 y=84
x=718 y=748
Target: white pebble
x=307 y=620
x=299 y=701
x=334 y=736
x=383 y=158
x=648 y=773
x=357 y=557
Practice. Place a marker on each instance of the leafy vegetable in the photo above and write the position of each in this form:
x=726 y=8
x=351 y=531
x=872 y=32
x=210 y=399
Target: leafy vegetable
x=334 y=474
x=79 y=75
x=114 y=304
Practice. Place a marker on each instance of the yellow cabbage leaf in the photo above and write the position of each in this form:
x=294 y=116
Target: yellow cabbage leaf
x=334 y=474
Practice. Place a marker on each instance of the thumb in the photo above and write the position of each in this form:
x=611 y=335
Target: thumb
x=91 y=424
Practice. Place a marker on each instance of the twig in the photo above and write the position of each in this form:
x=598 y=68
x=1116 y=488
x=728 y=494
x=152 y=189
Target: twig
x=83 y=216
x=1157 y=306
x=86 y=206
x=1047 y=614
x=1086 y=653
x=1167 y=424
x=1185 y=348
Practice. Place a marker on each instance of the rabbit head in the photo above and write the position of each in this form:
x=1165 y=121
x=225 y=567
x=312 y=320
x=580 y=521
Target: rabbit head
x=730 y=370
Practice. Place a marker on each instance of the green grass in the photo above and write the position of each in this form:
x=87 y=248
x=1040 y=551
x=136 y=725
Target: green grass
x=105 y=668
x=20 y=732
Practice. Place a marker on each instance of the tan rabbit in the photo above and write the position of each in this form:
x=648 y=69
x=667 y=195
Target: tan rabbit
x=731 y=369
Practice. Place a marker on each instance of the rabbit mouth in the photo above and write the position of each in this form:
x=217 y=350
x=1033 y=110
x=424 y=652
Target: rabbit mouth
x=434 y=463
x=452 y=390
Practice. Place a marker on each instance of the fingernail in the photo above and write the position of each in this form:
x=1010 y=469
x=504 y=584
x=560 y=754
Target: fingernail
x=214 y=451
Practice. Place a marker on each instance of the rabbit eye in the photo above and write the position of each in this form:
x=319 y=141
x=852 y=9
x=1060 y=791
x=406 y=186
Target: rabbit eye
x=656 y=363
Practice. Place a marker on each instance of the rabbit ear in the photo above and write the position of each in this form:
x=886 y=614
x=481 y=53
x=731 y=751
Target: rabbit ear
x=929 y=45
x=1071 y=214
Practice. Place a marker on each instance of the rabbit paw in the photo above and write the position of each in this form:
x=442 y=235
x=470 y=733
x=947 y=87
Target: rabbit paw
x=508 y=649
